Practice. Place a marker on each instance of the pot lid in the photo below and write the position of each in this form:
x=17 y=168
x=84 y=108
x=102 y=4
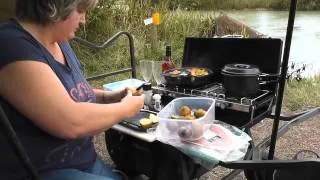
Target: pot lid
x=241 y=69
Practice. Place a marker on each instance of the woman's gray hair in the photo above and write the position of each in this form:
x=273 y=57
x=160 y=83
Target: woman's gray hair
x=46 y=11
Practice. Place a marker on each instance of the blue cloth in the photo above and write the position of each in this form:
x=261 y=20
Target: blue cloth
x=45 y=151
x=99 y=171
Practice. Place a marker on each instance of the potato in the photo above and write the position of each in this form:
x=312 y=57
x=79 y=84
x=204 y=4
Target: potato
x=136 y=92
x=153 y=118
x=185 y=133
x=193 y=132
x=199 y=113
x=197 y=130
x=189 y=117
x=172 y=126
x=174 y=117
x=185 y=111
x=146 y=123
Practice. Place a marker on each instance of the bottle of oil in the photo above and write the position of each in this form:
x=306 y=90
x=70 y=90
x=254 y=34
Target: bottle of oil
x=168 y=61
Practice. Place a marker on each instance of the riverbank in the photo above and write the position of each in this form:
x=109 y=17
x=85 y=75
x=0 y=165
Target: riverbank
x=250 y=4
x=305 y=39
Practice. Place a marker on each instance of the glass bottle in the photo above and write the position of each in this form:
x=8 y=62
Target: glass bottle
x=167 y=62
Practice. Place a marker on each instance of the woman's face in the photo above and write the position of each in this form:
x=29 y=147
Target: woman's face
x=66 y=29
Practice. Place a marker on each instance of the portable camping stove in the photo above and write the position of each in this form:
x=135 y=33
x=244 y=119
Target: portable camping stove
x=241 y=112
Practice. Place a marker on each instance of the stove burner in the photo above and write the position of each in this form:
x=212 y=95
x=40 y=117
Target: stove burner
x=216 y=91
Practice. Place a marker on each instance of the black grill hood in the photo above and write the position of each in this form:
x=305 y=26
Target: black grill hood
x=214 y=53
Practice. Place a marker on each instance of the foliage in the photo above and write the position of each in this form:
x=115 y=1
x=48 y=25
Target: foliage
x=295 y=71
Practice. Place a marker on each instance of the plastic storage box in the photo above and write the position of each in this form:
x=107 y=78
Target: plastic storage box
x=182 y=128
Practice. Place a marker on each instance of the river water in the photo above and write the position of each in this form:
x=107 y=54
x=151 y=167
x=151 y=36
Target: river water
x=305 y=45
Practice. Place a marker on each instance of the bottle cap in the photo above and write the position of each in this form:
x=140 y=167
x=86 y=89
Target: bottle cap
x=168 y=47
x=157 y=97
x=147 y=87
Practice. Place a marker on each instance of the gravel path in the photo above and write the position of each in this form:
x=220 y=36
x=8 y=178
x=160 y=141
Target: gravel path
x=304 y=135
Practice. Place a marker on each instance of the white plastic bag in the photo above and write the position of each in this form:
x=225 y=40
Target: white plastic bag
x=220 y=142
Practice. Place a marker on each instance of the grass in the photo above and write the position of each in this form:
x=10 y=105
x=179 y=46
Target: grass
x=302 y=94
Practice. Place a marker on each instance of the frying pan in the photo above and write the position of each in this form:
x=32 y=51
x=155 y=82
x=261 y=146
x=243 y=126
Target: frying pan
x=184 y=78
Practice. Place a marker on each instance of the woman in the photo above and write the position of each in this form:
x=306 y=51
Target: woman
x=45 y=95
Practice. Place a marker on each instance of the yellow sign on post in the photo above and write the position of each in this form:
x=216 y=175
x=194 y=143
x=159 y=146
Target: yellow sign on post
x=156 y=18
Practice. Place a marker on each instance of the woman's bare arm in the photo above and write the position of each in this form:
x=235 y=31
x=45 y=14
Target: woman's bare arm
x=35 y=91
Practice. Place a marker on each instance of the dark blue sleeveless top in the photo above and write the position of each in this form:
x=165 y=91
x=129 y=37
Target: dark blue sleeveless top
x=46 y=151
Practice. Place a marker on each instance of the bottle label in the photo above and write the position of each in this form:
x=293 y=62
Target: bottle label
x=166 y=65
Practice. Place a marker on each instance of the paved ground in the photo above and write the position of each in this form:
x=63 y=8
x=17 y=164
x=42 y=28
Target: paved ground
x=302 y=136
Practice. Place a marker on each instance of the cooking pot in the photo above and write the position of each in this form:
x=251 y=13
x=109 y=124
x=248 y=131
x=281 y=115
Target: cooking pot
x=243 y=80
x=188 y=76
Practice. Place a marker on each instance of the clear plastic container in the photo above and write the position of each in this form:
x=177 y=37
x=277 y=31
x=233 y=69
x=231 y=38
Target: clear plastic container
x=185 y=129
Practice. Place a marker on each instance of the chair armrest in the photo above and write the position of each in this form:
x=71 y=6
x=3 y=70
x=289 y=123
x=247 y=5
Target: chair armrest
x=271 y=164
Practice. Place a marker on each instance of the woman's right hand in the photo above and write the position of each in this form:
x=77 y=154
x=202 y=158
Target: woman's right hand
x=133 y=103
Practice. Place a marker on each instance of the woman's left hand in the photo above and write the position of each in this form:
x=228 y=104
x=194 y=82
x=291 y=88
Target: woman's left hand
x=134 y=92
x=107 y=97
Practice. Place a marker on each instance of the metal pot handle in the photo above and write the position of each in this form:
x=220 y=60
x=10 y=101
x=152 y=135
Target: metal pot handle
x=265 y=78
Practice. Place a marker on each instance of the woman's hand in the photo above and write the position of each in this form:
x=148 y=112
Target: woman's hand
x=133 y=103
x=108 y=97
x=134 y=92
